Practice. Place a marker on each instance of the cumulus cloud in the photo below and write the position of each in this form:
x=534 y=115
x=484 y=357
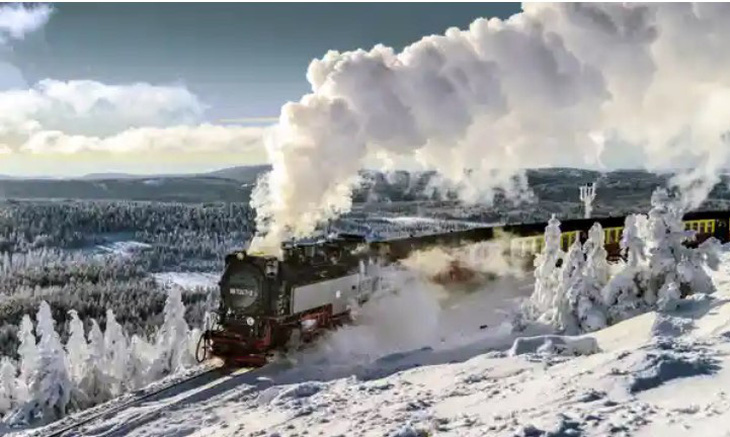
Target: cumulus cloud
x=77 y=116
x=88 y=116
x=175 y=139
x=84 y=107
x=18 y=20
x=558 y=84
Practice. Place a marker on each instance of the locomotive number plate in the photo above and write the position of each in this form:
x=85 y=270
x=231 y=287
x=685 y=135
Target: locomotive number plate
x=246 y=292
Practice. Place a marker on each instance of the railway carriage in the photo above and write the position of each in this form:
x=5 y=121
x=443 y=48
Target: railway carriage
x=266 y=303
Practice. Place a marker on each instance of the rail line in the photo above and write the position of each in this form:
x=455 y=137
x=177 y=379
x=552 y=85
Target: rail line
x=213 y=374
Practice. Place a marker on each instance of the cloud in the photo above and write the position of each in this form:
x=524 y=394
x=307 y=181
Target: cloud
x=84 y=107
x=200 y=138
x=251 y=120
x=18 y=20
x=88 y=116
x=558 y=84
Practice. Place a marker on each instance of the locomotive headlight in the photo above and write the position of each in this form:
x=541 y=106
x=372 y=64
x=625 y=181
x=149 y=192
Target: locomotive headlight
x=250 y=321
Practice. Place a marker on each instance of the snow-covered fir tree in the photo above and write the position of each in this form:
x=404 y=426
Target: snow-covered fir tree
x=623 y=294
x=50 y=384
x=597 y=269
x=28 y=351
x=562 y=313
x=8 y=386
x=116 y=354
x=546 y=271
x=633 y=248
x=95 y=386
x=77 y=349
x=674 y=269
x=78 y=358
x=173 y=337
x=596 y=274
x=142 y=357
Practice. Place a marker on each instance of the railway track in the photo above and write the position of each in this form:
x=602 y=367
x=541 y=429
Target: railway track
x=198 y=382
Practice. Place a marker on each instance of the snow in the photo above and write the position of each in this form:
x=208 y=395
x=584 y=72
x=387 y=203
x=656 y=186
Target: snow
x=430 y=367
x=188 y=280
x=122 y=248
x=408 y=220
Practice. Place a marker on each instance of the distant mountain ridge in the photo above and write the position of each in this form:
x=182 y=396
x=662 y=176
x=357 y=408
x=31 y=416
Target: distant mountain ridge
x=242 y=173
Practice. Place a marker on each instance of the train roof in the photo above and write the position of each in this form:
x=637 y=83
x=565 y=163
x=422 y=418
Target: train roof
x=529 y=227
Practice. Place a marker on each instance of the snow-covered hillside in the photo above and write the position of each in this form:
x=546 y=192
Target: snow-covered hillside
x=656 y=374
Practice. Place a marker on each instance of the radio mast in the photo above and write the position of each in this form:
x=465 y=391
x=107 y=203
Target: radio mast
x=587 y=195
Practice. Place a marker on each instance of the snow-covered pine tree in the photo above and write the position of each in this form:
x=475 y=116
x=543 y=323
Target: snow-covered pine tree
x=623 y=294
x=546 y=271
x=96 y=386
x=589 y=308
x=77 y=355
x=77 y=349
x=116 y=354
x=664 y=243
x=597 y=269
x=50 y=385
x=142 y=356
x=672 y=262
x=28 y=351
x=173 y=337
x=632 y=243
x=562 y=314
x=8 y=386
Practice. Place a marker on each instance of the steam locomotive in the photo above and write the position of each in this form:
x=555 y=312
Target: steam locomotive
x=265 y=302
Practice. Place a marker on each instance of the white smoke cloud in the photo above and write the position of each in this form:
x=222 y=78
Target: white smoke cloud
x=558 y=84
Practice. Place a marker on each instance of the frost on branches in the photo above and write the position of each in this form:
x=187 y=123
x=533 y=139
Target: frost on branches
x=588 y=304
x=50 y=379
x=623 y=295
x=675 y=270
x=659 y=270
x=50 y=385
x=8 y=386
x=562 y=314
x=173 y=337
x=546 y=272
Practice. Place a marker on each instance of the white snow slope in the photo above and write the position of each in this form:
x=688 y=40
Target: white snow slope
x=656 y=374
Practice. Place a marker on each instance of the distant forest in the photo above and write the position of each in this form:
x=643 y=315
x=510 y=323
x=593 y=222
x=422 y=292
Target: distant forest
x=49 y=251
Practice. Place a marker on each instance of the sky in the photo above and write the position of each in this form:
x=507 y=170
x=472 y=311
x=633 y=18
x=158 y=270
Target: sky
x=162 y=87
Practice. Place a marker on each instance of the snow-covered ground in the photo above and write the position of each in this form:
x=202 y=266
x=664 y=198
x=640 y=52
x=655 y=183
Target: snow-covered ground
x=452 y=370
x=122 y=248
x=188 y=280
x=409 y=220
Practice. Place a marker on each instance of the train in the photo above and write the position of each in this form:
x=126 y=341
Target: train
x=267 y=304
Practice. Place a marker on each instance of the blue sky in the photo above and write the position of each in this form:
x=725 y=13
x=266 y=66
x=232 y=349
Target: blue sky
x=122 y=87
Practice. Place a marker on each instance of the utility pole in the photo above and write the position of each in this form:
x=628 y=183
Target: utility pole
x=587 y=195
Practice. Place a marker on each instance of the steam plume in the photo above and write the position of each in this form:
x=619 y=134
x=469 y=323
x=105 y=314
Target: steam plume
x=558 y=84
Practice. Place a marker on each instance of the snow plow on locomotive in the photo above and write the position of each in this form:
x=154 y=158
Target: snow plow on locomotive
x=270 y=305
